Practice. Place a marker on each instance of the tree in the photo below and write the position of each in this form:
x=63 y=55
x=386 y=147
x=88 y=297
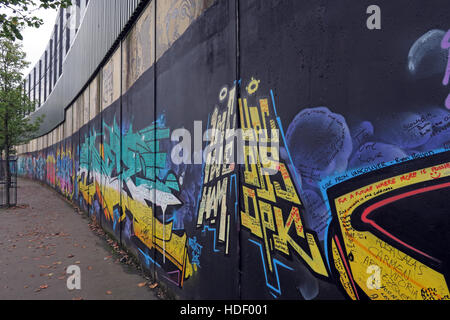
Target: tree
x=15 y=127
x=17 y=14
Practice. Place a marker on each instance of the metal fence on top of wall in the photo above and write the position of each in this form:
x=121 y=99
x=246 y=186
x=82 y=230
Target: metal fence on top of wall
x=102 y=22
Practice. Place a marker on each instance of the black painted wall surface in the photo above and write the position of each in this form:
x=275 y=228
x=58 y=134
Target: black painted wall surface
x=363 y=129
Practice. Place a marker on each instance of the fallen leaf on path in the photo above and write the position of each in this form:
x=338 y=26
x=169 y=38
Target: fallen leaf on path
x=153 y=286
x=108 y=292
x=142 y=284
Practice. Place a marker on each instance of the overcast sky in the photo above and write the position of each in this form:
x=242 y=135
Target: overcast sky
x=35 y=40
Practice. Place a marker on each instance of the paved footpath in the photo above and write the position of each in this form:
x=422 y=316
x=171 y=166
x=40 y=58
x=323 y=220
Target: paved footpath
x=44 y=236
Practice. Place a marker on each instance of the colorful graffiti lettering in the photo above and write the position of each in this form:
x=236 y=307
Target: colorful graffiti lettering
x=142 y=181
x=359 y=238
x=214 y=211
x=321 y=207
x=273 y=211
x=65 y=171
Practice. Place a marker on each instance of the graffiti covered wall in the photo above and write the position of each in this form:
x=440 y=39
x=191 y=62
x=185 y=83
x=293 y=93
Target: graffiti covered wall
x=352 y=123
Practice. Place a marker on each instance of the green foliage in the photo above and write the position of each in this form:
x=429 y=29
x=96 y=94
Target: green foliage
x=15 y=127
x=17 y=14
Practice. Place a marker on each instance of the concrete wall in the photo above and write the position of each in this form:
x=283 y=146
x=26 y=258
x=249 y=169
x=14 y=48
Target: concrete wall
x=358 y=207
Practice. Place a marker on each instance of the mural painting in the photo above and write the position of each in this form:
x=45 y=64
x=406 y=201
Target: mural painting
x=306 y=188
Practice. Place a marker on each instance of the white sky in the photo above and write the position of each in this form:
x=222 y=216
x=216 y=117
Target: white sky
x=35 y=40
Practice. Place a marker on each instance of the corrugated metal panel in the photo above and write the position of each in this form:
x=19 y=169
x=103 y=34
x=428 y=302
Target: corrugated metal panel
x=103 y=23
